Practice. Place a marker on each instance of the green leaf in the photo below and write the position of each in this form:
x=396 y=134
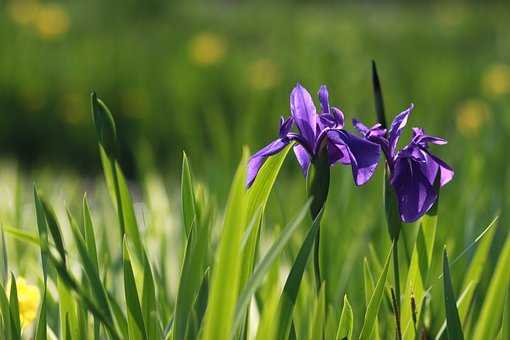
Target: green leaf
x=135 y=322
x=346 y=324
x=269 y=320
x=187 y=195
x=42 y=227
x=227 y=267
x=105 y=125
x=258 y=195
x=488 y=319
x=265 y=264
x=90 y=269
x=368 y=281
x=41 y=333
x=319 y=316
x=476 y=267
x=4 y=268
x=54 y=228
x=375 y=302
x=505 y=323
x=453 y=325
x=191 y=277
x=14 y=310
x=88 y=234
x=5 y=312
x=290 y=290
x=149 y=305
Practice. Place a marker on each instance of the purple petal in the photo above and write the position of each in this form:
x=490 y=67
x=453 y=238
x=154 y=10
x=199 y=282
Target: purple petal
x=324 y=98
x=338 y=116
x=415 y=193
x=363 y=154
x=304 y=113
x=303 y=158
x=362 y=128
x=446 y=171
x=421 y=138
x=338 y=153
x=397 y=125
x=285 y=126
x=257 y=160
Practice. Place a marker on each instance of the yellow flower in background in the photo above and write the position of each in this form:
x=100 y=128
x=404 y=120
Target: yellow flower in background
x=207 y=48
x=496 y=80
x=471 y=115
x=51 y=21
x=263 y=74
x=28 y=300
x=23 y=12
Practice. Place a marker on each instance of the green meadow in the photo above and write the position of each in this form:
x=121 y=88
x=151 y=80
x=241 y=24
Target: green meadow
x=125 y=215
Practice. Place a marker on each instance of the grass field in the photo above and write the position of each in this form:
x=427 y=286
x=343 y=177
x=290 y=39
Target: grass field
x=111 y=231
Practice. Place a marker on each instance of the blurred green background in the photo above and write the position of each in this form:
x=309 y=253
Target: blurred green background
x=211 y=78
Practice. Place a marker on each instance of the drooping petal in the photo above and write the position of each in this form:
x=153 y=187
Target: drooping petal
x=304 y=113
x=324 y=98
x=285 y=126
x=362 y=128
x=447 y=172
x=422 y=139
x=338 y=153
x=415 y=193
x=397 y=125
x=303 y=158
x=257 y=160
x=363 y=154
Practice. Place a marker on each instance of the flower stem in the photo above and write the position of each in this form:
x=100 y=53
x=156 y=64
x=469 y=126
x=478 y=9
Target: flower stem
x=396 y=275
x=316 y=261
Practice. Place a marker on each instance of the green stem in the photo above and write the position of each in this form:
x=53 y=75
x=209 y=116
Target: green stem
x=316 y=261
x=396 y=275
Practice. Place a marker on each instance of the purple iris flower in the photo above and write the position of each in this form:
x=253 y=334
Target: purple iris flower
x=315 y=132
x=413 y=169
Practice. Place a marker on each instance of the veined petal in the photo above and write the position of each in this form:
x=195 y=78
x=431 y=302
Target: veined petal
x=285 y=126
x=397 y=125
x=304 y=113
x=257 y=160
x=338 y=115
x=415 y=193
x=363 y=154
x=303 y=158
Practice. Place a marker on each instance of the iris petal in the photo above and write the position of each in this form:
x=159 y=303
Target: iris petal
x=257 y=160
x=304 y=113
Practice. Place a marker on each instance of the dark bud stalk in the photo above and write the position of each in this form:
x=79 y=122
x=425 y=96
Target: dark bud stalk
x=397 y=315
x=378 y=97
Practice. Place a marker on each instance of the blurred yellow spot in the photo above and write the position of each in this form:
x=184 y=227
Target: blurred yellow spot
x=73 y=107
x=496 y=80
x=207 y=49
x=23 y=12
x=28 y=300
x=471 y=115
x=263 y=74
x=51 y=21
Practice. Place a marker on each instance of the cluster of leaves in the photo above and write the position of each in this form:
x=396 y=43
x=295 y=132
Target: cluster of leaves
x=226 y=278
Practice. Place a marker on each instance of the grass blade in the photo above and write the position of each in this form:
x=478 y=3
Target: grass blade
x=187 y=195
x=290 y=290
x=492 y=308
x=453 y=325
x=136 y=325
x=346 y=324
x=265 y=264
x=375 y=302
x=227 y=268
